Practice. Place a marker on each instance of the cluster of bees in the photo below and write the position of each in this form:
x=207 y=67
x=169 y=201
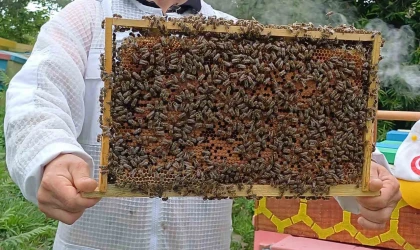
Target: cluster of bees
x=208 y=113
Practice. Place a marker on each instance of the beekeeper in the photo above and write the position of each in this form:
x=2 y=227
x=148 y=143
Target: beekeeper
x=51 y=127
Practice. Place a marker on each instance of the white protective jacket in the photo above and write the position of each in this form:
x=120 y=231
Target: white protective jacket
x=53 y=108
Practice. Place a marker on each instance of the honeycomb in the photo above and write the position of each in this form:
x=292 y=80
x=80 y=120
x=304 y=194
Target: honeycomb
x=201 y=113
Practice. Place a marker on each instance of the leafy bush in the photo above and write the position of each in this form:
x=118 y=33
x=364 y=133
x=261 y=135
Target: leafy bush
x=243 y=230
x=4 y=81
x=396 y=93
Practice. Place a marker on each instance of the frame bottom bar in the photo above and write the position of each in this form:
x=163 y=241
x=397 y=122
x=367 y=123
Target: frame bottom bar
x=258 y=190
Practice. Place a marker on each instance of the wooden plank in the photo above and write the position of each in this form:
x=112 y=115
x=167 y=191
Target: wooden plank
x=103 y=175
x=372 y=103
x=262 y=223
x=14 y=46
x=7 y=43
x=258 y=190
x=236 y=29
x=20 y=47
x=398 y=115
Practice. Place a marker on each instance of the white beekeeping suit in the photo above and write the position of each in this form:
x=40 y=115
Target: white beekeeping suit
x=53 y=108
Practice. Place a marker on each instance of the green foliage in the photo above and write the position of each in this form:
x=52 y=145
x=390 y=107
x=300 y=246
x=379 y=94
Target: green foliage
x=4 y=79
x=242 y=212
x=19 y=24
x=397 y=95
x=24 y=238
x=383 y=128
x=396 y=13
x=2 y=138
x=287 y=12
x=392 y=99
x=22 y=225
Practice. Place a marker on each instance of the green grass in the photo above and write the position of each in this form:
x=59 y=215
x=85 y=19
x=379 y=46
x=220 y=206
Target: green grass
x=242 y=213
x=22 y=225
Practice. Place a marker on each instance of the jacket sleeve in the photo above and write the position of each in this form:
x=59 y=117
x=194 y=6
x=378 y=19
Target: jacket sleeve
x=349 y=203
x=45 y=99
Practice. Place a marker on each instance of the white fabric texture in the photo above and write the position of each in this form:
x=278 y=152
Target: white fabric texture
x=52 y=107
x=407 y=158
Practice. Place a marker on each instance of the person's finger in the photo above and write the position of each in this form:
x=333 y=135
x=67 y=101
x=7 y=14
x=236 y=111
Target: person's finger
x=61 y=215
x=72 y=201
x=370 y=225
x=378 y=216
x=380 y=180
x=64 y=195
x=79 y=204
x=45 y=197
x=389 y=193
x=374 y=173
x=379 y=202
x=81 y=178
x=375 y=183
x=51 y=188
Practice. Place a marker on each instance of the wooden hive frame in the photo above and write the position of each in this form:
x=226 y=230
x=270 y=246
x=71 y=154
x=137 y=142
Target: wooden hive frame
x=109 y=190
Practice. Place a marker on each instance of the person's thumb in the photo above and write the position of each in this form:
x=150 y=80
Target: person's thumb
x=375 y=183
x=81 y=179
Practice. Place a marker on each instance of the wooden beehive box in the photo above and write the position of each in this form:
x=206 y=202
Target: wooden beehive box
x=207 y=107
x=324 y=219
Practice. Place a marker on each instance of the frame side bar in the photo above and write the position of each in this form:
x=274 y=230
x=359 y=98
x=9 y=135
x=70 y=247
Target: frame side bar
x=373 y=99
x=103 y=174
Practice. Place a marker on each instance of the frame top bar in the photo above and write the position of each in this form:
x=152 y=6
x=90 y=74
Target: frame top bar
x=280 y=32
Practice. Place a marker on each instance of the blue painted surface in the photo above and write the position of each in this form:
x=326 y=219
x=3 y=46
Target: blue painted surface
x=387 y=145
x=16 y=57
x=3 y=64
x=395 y=135
x=389 y=154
